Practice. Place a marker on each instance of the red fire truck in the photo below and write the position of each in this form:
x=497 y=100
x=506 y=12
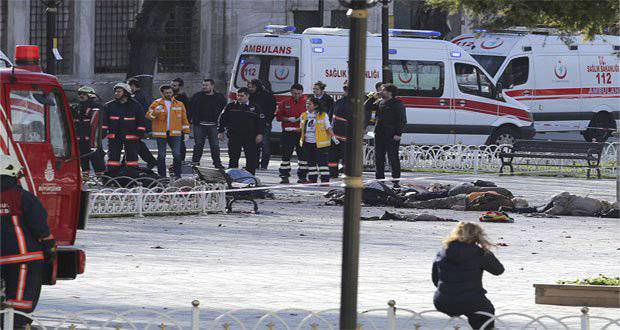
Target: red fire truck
x=36 y=127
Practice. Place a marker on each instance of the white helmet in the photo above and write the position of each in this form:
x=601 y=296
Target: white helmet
x=123 y=86
x=9 y=166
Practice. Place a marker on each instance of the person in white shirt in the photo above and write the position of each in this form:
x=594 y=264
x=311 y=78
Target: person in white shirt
x=316 y=138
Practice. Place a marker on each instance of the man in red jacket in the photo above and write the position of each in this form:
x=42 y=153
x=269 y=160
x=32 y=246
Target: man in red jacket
x=288 y=113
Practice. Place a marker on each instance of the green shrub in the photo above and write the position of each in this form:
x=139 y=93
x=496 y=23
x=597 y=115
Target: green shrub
x=601 y=280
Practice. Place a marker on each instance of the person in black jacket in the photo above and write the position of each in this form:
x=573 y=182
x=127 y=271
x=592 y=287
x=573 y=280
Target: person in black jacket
x=244 y=124
x=123 y=123
x=457 y=274
x=25 y=240
x=179 y=95
x=371 y=104
x=327 y=102
x=340 y=122
x=391 y=120
x=85 y=126
x=204 y=109
x=263 y=98
x=140 y=96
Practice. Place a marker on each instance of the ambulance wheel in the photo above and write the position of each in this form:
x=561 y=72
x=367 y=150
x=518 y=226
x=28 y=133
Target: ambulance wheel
x=600 y=128
x=504 y=135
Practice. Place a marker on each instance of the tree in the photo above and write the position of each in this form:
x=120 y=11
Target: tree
x=569 y=16
x=147 y=37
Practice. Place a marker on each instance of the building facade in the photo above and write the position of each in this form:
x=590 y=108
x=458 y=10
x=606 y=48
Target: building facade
x=200 y=40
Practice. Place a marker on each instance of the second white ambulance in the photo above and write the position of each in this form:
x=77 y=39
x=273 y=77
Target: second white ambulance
x=449 y=97
x=570 y=84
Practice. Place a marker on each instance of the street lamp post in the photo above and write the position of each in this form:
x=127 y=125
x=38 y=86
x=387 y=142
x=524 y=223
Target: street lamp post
x=321 y=12
x=385 y=41
x=357 y=14
x=52 y=42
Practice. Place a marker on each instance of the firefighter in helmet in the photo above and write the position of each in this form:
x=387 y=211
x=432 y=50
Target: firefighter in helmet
x=124 y=124
x=86 y=126
x=25 y=241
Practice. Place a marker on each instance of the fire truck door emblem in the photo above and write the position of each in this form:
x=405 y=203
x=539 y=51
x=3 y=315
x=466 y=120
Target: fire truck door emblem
x=49 y=172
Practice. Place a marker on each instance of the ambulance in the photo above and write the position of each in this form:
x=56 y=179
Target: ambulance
x=449 y=97
x=36 y=128
x=569 y=84
x=4 y=61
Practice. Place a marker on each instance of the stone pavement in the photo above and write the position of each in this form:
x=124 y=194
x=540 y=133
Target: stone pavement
x=289 y=254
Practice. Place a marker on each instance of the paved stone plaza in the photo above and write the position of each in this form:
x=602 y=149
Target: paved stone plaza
x=289 y=254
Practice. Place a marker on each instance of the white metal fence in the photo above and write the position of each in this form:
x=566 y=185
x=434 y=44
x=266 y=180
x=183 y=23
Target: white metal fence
x=484 y=158
x=390 y=318
x=157 y=200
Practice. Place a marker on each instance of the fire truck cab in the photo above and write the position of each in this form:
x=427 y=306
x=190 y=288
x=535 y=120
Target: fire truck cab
x=36 y=128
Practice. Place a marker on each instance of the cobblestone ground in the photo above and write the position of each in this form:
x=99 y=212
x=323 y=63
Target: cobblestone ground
x=289 y=255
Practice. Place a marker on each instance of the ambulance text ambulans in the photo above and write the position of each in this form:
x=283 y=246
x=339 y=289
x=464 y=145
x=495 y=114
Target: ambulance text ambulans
x=449 y=97
x=36 y=128
x=570 y=84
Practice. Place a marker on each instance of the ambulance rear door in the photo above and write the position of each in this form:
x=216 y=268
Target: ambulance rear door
x=41 y=139
x=556 y=105
x=273 y=59
x=420 y=75
x=517 y=78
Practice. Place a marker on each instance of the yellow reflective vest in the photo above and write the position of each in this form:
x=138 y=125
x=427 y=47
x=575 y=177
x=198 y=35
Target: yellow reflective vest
x=321 y=132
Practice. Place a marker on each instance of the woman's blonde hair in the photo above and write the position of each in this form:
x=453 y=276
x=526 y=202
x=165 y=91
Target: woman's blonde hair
x=468 y=232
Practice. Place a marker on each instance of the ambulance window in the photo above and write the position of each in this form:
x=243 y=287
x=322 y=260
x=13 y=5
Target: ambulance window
x=28 y=115
x=59 y=128
x=418 y=78
x=282 y=73
x=247 y=69
x=516 y=72
x=490 y=63
x=472 y=80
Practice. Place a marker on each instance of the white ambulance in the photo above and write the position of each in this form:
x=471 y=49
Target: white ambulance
x=4 y=61
x=449 y=97
x=568 y=83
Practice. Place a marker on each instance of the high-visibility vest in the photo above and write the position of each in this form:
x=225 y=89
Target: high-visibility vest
x=321 y=133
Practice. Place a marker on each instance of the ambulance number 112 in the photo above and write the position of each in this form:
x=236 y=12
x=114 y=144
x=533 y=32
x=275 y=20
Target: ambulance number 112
x=604 y=78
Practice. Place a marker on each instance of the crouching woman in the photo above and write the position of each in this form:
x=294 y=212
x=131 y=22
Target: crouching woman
x=457 y=274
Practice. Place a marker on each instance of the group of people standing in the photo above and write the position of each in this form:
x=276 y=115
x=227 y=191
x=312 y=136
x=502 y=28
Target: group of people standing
x=313 y=126
x=316 y=129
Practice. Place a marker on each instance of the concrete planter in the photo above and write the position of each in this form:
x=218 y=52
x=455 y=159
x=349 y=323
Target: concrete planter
x=578 y=295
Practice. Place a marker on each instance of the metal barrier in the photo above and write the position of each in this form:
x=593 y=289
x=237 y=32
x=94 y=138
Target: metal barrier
x=158 y=200
x=484 y=158
x=390 y=318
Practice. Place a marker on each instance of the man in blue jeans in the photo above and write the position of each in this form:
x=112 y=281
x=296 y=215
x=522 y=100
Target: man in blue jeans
x=169 y=120
x=204 y=111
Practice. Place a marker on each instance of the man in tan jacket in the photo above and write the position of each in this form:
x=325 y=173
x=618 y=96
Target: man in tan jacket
x=169 y=120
